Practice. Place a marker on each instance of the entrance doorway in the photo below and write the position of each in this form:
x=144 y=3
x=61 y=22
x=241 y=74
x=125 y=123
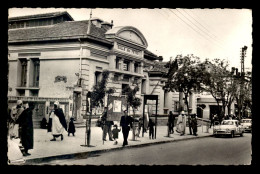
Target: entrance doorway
x=38 y=113
x=199 y=112
x=146 y=98
x=214 y=109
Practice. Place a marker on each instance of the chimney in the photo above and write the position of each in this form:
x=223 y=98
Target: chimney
x=107 y=25
x=97 y=22
x=160 y=58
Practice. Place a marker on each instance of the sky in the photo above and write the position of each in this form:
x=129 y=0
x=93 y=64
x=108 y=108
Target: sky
x=205 y=33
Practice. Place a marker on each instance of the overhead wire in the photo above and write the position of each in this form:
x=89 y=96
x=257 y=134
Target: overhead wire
x=198 y=31
x=209 y=31
x=205 y=23
x=188 y=25
x=206 y=32
x=159 y=11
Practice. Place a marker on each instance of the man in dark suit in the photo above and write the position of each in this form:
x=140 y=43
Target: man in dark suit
x=124 y=123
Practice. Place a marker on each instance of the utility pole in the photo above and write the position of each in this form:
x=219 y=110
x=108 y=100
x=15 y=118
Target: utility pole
x=243 y=55
x=242 y=76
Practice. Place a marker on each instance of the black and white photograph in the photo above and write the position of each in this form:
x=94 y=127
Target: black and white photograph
x=129 y=86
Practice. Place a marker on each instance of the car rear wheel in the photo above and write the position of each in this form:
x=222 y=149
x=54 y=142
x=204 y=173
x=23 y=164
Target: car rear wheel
x=241 y=135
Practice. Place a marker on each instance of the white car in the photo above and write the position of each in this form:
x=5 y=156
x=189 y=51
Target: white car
x=247 y=124
x=228 y=127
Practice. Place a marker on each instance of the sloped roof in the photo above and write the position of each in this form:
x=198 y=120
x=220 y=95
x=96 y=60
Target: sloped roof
x=61 y=30
x=159 y=68
x=149 y=53
x=37 y=16
x=65 y=30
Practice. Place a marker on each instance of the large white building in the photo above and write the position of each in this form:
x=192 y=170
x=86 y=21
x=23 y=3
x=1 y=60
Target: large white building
x=52 y=57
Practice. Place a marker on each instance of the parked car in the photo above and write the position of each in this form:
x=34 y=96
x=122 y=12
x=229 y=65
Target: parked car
x=247 y=124
x=228 y=127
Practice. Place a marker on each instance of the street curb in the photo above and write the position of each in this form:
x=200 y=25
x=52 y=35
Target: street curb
x=94 y=152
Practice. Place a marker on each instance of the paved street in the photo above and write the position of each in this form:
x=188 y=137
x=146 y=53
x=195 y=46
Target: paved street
x=204 y=151
x=70 y=147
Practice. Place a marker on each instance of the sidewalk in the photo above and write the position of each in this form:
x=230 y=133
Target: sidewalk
x=45 y=150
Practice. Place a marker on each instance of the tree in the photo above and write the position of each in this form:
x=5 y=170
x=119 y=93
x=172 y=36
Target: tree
x=132 y=101
x=243 y=96
x=99 y=91
x=186 y=79
x=219 y=82
x=97 y=97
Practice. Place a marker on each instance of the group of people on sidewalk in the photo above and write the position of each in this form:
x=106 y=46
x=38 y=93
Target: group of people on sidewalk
x=106 y=125
x=181 y=123
x=20 y=125
x=20 y=128
x=145 y=123
x=57 y=124
x=126 y=124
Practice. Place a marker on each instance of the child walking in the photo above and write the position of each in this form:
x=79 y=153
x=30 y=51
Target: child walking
x=115 y=132
x=71 y=128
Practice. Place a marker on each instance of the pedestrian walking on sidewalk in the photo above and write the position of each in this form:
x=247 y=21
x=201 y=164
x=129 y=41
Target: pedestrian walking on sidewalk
x=58 y=123
x=126 y=124
x=26 y=128
x=181 y=123
x=151 y=125
x=140 y=125
x=107 y=126
x=146 y=120
x=213 y=119
x=171 y=122
x=16 y=111
x=71 y=128
x=115 y=132
x=44 y=123
x=194 y=124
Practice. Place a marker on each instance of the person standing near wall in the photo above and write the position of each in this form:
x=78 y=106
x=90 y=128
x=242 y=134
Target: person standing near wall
x=126 y=124
x=26 y=126
x=107 y=126
x=71 y=128
x=151 y=125
x=171 y=122
x=211 y=120
x=16 y=111
x=140 y=125
x=194 y=124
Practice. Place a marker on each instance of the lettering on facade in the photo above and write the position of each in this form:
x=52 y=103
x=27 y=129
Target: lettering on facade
x=129 y=50
x=60 y=78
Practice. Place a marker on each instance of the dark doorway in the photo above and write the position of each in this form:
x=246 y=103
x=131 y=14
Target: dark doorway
x=214 y=109
x=199 y=112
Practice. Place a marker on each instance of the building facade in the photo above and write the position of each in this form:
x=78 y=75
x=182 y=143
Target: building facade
x=52 y=57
